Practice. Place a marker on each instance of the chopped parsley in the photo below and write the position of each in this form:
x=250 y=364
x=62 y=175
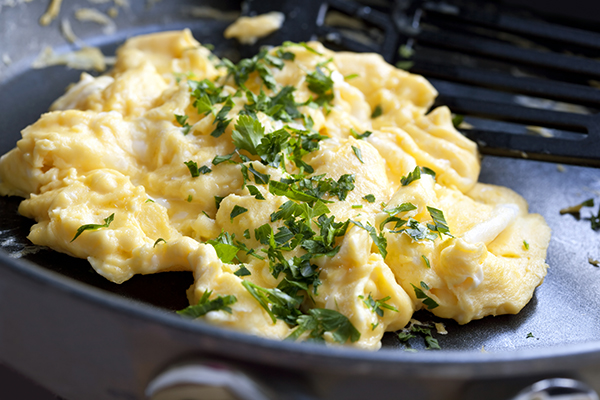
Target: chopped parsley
x=248 y=134
x=418 y=329
x=428 y=171
x=221 y=159
x=370 y=198
x=204 y=170
x=351 y=76
x=221 y=119
x=218 y=200
x=242 y=271
x=379 y=239
x=417 y=231
x=275 y=302
x=575 y=210
x=193 y=167
x=457 y=119
x=225 y=248
x=182 y=120
x=237 y=210
x=411 y=177
x=204 y=306
x=158 y=241
x=428 y=301
x=363 y=135
x=93 y=227
x=439 y=222
x=426 y=261
x=377 y=306
x=320 y=84
x=525 y=244
x=255 y=192
x=377 y=111
x=392 y=212
x=358 y=154
x=530 y=336
x=321 y=320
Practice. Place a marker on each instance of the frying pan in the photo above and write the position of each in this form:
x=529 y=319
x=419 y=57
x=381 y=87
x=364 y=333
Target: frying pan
x=82 y=337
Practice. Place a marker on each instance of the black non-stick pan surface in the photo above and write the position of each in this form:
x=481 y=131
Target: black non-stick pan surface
x=83 y=337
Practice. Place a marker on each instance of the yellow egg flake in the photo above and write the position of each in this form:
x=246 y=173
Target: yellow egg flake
x=250 y=175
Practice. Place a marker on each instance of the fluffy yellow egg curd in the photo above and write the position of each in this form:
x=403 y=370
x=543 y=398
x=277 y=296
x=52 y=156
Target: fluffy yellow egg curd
x=313 y=194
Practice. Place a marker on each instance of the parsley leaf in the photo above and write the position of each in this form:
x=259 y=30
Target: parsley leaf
x=574 y=210
x=204 y=306
x=242 y=271
x=221 y=118
x=158 y=241
x=320 y=84
x=358 y=154
x=428 y=171
x=237 y=210
x=182 y=120
x=457 y=119
x=370 y=198
x=428 y=301
x=418 y=231
x=248 y=134
x=411 y=177
x=255 y=192
x=363 y=135
x=426 y=261
x=377 y=305
x=218 y=200
x=423 y=330
x=440 y=224
x=193 y=167
x=377 y=111
x=221 y=159
x=274 y=301
x=379 y=240
x=404 y=207
x=92 y=227
x=321 y=320
x=225 y=248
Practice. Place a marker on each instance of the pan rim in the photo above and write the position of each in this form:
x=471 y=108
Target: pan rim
x=442 y=364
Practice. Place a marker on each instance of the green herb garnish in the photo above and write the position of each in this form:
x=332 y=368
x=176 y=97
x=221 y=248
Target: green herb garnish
x=370 y=198
x=411 y=177
x=237 y=210
x=426 y=261
x=321 y=320
x=358 y=154
x=193 y=167
x=242 y=271
x=204 y=306
x=440 y=224
x=377 y=111
x=182 y=120
x=377 y=306
x=93 y=227
x=428 y=301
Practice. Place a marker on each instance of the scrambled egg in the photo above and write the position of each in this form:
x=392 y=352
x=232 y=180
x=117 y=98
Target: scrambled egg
x=122 y=171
